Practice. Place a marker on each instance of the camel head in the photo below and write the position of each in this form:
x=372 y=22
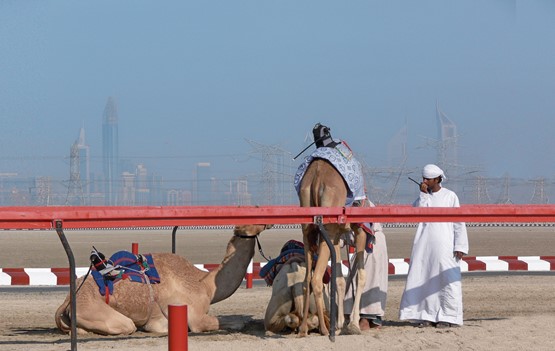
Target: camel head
x=250 y=230
x=240 y=251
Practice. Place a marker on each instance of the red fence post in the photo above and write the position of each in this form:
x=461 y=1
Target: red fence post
x=351 y=252
x=249 y=275
x=135 y=248
x=178 y=332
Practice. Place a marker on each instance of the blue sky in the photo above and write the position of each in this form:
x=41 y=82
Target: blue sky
x=194 y=80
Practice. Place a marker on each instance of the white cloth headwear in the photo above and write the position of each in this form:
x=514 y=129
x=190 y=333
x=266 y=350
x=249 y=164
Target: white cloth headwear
x=432 y=171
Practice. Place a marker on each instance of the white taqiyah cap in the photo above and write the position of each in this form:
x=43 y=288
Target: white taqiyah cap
x=432 y=171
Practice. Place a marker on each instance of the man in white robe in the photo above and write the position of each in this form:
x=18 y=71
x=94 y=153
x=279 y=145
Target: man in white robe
x=433 y=291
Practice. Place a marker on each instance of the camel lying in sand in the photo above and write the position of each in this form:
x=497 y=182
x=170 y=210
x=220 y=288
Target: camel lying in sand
x=285 y=308
x=134 y=305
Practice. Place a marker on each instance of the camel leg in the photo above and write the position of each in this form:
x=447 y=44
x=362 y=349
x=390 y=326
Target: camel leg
x=303 y=329
x=277 y=310
x=158 y=321
x=276 y=323
x=298 y=299
x=292 y=320
x=100 y=318
x=294 y=286
x=202 y=322
x=197 y=319
x=360 y=243
x=318 y=286
x=340 y=282
x=285 y=307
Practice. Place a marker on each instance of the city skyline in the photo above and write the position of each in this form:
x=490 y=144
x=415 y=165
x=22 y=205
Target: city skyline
x=136 y=183
x=240 y=85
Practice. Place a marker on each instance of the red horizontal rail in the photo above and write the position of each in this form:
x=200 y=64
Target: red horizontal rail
x=465 y=213
x=146 y=216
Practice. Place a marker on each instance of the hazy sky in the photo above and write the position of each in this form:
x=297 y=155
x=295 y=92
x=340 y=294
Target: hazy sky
x=194 y=80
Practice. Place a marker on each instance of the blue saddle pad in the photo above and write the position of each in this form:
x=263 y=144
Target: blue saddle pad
x=130 y=268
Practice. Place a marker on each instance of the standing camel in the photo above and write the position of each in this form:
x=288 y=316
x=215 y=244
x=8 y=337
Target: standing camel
x=323 y=186
x=135 y=305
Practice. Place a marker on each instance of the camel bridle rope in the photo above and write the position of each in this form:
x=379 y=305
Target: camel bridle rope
x=243 y=236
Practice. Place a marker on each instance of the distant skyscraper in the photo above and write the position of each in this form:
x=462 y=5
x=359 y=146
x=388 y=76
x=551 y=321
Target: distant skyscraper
x=127 y=189
x=84 y=164
x=242 y=196
x=447 y=137
x=202 y=190
x=397 y=148
x=75 y=186
x=143 y=187
x=110 y=152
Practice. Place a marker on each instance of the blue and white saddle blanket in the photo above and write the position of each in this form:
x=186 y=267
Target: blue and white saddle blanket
x=291 y=249
x=341 y=157
x=128 y=266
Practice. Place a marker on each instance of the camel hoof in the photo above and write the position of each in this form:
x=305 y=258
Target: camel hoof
x=351 y=329
x=292 y=321
x=313 y=322
x=324 y=332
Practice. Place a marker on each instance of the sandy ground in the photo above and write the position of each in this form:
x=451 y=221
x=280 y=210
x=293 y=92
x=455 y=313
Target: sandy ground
x=502 y=311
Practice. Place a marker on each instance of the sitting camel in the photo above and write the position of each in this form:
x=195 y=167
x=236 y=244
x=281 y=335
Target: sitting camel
x=134 y=305
x=285 y=308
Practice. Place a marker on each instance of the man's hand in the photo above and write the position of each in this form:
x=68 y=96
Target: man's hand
x=458 y=255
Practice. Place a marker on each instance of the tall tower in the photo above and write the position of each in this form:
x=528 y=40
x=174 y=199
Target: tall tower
x=142 y=190
x=539 y=196
x=84 y=164
x=447 y=157
x=110 y=152
x=44 y=190
x=505 y=197
x=202 y=187
x=277 y=177
x=75 y=190
x=397 y=147
x=481 y=194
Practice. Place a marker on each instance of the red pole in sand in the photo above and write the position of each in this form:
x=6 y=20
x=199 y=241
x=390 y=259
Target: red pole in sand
x=249 y=274
x=178 y=332
x=135 y=248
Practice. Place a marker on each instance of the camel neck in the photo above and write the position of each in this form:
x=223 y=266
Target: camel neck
x=229 y=275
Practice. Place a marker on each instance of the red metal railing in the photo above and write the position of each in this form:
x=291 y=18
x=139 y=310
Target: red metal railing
x=146 y=216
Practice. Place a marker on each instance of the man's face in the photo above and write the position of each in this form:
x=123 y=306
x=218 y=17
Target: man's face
x=431 y=182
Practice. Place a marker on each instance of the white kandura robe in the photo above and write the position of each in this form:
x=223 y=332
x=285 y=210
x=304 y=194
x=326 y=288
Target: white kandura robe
x=376 y=265
x=433 y=290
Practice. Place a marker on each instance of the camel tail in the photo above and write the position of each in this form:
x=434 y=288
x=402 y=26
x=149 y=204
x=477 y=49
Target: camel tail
x=62 y=317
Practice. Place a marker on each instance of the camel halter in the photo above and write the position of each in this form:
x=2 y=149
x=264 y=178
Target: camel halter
x=243 y=236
